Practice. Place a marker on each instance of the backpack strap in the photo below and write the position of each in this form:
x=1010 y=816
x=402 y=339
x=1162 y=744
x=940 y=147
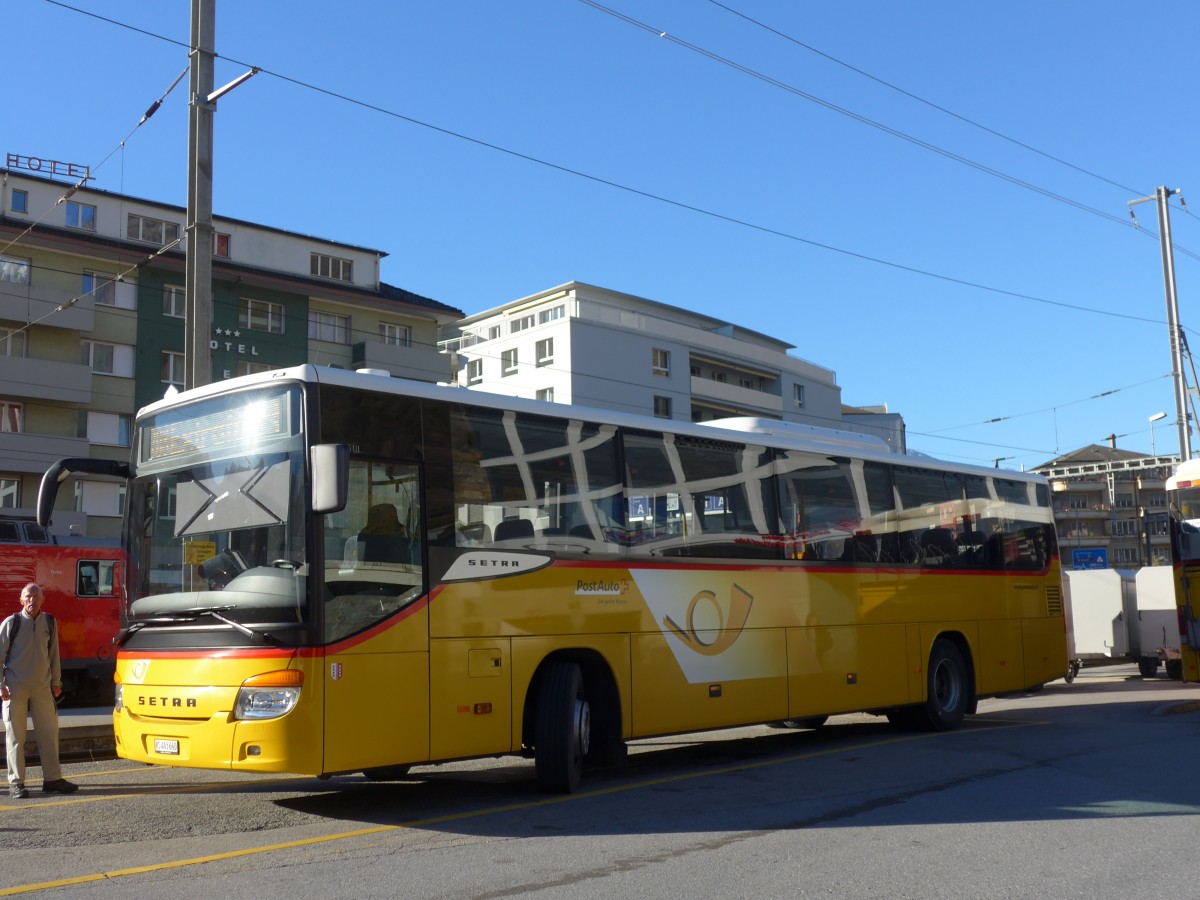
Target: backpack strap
x=12 y=636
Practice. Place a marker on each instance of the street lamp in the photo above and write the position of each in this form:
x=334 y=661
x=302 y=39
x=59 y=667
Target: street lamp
x=1155 y=418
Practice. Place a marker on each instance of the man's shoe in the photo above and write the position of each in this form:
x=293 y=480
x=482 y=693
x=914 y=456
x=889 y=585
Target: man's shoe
x=60 y=786
x=18 y=791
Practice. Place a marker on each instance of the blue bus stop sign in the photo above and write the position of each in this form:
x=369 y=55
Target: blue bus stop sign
x=1090 y=558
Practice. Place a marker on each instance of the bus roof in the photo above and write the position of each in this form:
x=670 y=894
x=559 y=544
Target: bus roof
x=783 y=435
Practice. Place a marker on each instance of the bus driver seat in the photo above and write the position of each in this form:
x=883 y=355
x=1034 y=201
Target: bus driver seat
x=383 y=538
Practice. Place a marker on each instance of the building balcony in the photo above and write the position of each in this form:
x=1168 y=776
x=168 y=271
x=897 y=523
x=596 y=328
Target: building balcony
x=418 y=363
x=43 y=379
x=747 y=399
x=1077 y=539
x=40 y=305
x=1070 y=514
x=1080 y=486
x=24 y=452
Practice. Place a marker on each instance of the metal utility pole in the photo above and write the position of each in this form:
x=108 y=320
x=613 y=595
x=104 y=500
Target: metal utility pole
x=197 y=357
x=1163 y=195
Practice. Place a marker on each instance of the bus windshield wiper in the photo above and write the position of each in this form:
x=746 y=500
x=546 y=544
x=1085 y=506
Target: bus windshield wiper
x=259 y=637
x=191 y=615
x=124 y=634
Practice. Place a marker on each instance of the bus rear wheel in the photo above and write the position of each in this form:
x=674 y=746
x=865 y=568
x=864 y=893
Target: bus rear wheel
x=948 y=690
x=563 y=728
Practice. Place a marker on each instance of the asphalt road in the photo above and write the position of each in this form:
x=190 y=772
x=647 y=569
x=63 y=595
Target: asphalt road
x=1084 y=790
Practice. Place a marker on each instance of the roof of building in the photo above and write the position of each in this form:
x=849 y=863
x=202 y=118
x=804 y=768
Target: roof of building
x=1092 y=453
x=140 y=254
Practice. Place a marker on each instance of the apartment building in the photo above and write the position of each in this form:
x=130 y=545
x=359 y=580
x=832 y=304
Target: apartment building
x=1110 y=507
x=592 y=346
x=92 y=323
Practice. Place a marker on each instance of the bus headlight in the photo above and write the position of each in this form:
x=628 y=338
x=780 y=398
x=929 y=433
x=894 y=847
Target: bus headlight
x=118 y=698
x=269 y=696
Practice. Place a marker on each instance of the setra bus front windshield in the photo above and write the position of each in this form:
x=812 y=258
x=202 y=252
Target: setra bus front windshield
x=217 y=512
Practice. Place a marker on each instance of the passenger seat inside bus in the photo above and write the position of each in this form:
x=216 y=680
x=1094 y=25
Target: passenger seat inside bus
x=514 y=529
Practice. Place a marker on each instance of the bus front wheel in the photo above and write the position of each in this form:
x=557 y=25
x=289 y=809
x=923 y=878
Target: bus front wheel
x=563 y=729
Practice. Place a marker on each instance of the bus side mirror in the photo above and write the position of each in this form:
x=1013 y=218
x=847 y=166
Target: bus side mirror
x=64 y=469
x=330 y=477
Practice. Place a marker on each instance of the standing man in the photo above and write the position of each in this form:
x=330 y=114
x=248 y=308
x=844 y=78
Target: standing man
x=30 y=680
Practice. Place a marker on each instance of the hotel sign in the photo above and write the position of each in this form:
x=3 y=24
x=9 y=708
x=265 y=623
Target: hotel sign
x=50 y=167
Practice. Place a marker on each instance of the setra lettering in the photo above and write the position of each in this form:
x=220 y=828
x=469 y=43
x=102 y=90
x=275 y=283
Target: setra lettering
x=168 y=702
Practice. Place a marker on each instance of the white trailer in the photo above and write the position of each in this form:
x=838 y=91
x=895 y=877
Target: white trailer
x=1157 y=622
x=1115 y=615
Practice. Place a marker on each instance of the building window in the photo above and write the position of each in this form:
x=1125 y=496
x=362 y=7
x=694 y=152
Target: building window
x=112 y=429
x=662 y=407
x=549 y=315
x=520 y=324
x=798 y=395
x=493 y=332
x=101 y=286
x=474 y=371
x=172 y=368
x=12 y=343
x=747 y=383
x=99 y=357
x=660 y=362
x=261 y=315
x=100 y=498
x=695 y=370
x=220 y=245
x=330 y=327
x=245 y=367
x=508 y=362
x=546 y=394
x=331 y=267
x=14 y=270
x=20 y=201
x=12 y=417
x=545 y=352
x=10 y=493
x=81 y=215
x=396 y=335
x=174 y=301
x=152 y=231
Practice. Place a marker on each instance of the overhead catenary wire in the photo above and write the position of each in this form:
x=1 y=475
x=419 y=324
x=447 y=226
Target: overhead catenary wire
x=919 y=99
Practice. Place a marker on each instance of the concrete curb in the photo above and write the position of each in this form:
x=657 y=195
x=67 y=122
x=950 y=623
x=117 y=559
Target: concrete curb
x=1173 y=709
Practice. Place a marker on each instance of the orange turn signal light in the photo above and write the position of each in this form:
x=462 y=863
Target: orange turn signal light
x=282 y=678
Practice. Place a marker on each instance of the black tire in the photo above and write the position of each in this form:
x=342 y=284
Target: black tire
x=563 y=727
x=1175 y=669
x=948 y=688
x=1148 y=666
x=386 y=773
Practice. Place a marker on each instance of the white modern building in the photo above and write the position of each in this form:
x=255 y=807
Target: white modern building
x=587 y=345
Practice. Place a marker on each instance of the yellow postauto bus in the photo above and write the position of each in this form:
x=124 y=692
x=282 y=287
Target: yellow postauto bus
x=1183 y=504
x=334 y=572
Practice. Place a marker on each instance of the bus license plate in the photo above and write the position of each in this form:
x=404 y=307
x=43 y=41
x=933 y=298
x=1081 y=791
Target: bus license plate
x=165 y=747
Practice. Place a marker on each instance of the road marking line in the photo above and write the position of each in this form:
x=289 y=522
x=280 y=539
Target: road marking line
x=479 y=813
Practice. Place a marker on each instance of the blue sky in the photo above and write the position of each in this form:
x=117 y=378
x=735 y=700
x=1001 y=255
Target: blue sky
x=738 y=166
